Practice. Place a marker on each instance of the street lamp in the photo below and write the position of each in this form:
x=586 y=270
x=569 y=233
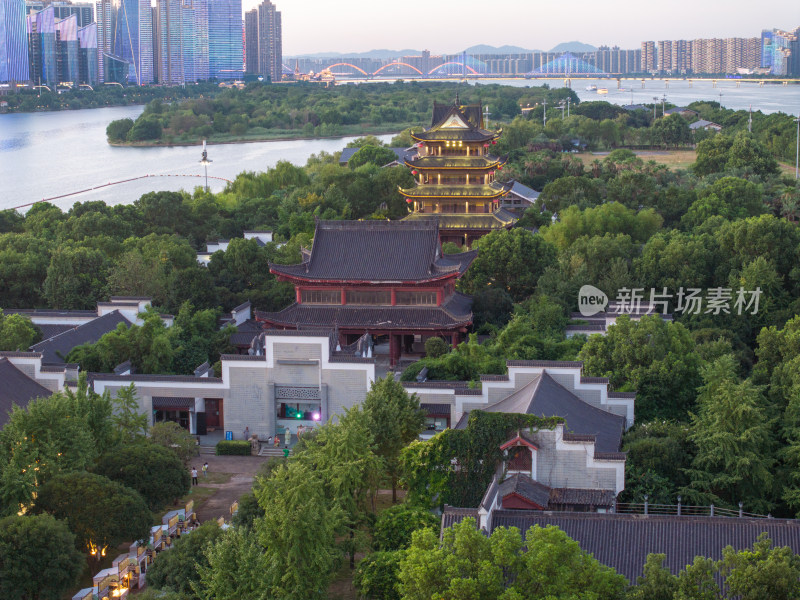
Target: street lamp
x=205 y=161
x=655 y=104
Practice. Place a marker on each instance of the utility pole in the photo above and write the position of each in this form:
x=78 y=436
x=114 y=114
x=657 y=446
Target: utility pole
x=568 y=100
x=655 y=106
x=663 y=105
x=750 y=120
x=544 y=114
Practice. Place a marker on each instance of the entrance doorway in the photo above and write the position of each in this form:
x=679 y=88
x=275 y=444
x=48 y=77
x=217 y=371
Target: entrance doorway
x=214 y=418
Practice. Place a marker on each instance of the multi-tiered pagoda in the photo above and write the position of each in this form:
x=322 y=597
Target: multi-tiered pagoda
x=455 y=172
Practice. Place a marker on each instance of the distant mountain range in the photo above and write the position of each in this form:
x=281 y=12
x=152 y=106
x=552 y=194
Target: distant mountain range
x=573 y=47
x=479 y=49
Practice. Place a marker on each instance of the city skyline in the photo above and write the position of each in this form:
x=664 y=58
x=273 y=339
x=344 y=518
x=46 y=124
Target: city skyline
x=339 y=27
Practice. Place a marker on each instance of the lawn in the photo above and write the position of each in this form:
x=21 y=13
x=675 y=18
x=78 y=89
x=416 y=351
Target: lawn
x=674 y=159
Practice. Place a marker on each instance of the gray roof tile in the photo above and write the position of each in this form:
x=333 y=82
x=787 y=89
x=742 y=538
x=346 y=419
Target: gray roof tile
x=55 y=349
x=17 y=388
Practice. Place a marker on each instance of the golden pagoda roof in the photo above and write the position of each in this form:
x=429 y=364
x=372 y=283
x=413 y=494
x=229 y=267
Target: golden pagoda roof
x=499 y=219
x=456 y=123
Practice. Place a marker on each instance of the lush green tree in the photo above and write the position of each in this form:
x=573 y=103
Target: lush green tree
x=174 y=437
x=150 y=469
x=763 y=572
x=376 y=155
x=375 y=577
x=491 y=307
x=672 y=130
x=654 y=358
x=656 y=583
x=39 y=561
x=249 y=511
x=76 y=278
x=735 y=445
x=180 y=568
x=394 y=419
x=394 y=526
x=721 y=153
x=581 y=192
x=298 y=534
x=511 y=261
x=238 y=567
x=117 y=131
x=17 y=332
x=729 y=197
x=101 y=513
x=43 y=440
x=129 y=421
x=468 y=564
x=144 y=129
x=344 y=454
x=610 y=218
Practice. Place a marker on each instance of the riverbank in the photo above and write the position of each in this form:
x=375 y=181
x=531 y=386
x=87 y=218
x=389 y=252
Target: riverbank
x=279 y=136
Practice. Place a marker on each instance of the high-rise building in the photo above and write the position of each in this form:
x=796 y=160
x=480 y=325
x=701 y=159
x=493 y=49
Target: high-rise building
x=270 y=43
x=648 y=57
x=42 y=54
x=125 y=33
x=13 y=42
x=776 y=50
x=225 y=46
x=169 y=57
x=84 y=11
x=195 y=35
x=664 y=58
x=68 y=50
x=251 y=41
x=87 y=65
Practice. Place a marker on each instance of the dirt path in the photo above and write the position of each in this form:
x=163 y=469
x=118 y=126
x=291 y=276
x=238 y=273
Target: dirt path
x=242 y=470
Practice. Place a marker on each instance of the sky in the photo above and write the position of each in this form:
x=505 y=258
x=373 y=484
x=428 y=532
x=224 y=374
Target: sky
x=447 y=26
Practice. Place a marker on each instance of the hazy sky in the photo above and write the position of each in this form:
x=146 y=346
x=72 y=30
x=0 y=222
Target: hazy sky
x=446 y=26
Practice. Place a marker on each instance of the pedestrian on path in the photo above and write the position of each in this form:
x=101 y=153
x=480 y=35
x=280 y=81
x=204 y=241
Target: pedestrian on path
x=277 y=440
x=194 y=476
x=205 y=470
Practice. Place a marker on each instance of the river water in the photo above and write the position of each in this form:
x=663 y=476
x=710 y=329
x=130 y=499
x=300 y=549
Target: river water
x=45 y=155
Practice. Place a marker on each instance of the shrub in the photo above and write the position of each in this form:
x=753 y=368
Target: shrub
x=375 y=576
x=395 y=525
x=235 y=447
x=436 y=347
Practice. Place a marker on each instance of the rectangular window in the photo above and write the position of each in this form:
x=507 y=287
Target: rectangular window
x=321 y=297
x=370 y=297
x=416 y=298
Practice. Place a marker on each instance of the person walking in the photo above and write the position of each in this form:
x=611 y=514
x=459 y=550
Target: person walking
x=205 y=470
x=194 y=476
x=247 y=433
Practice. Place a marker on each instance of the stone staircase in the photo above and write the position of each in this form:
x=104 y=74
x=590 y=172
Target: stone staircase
x=208 y=449
x=271 y=451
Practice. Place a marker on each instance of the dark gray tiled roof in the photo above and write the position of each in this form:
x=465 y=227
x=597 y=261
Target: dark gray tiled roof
x=436 y=409
x=454 y=313
x=152 y=378
x=55 y=349
x=523 y=191
x=544 y=363
x=49 y=331
x=623 y=541
x=526 y=487
x=167 y=402
x=376 y=251
x=545 y=397
x=583 y=497
x=17 y=388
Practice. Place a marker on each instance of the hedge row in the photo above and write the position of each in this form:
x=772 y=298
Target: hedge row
x=238 y=448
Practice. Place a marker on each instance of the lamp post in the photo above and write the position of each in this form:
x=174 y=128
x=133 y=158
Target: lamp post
x=655 y=105
x=205 y=161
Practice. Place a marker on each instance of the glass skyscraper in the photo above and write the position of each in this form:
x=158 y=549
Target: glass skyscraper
x=125 y=32
x=68 y=50
x=42 y=47
x=225 y=51
x=13 y=41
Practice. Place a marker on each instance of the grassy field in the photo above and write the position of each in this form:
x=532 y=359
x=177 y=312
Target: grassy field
x=674 y=159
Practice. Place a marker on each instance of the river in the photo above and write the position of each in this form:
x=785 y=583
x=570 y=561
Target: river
x=44 y=155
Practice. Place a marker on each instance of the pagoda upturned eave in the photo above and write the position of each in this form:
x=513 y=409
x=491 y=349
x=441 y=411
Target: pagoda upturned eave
x=440 y=278
x=460 y=163
x=455 y=135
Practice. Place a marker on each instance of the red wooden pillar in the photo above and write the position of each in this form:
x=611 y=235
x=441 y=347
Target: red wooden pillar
x=394 y=349
x=344 y=297
x=297 y=294
x=454 y=337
